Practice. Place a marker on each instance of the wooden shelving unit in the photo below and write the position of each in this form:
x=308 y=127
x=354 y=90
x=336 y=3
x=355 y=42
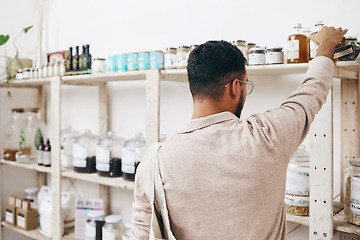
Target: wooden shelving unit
x=333 y=220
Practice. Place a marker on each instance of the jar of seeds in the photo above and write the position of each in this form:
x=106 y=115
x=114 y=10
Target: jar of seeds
x=352 y=192
x=297 y=183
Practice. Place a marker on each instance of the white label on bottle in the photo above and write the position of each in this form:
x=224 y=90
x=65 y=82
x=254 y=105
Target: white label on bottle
x=20 y=221
x=108 y=234
x=297 y=181
x=274 y=57
x=79 y=163
x=102 y=154
x=103 y=167
x=296 y=201
x=90 y=231
x=40 y=157
x=46 y=158
x=79 y=151
x=256 y=58
x=170 y=60
x=9 y=216
x=128 y=160
x=293 y=49
x=355 y=190
x=313 y=49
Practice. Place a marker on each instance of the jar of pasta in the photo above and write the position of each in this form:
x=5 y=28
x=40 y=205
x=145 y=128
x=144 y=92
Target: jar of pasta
x=352 y=192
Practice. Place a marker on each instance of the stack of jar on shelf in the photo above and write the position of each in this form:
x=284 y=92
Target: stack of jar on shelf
x=109 y=156
x=24 y=134
x=47 y=70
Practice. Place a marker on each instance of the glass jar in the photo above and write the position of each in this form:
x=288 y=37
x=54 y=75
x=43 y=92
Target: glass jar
x=108 y=156
x=45 y=70
x=274 y=55
x=26 y=73
x=132 y=153
x=298 y=47
x=12 y=131
x=50 y=69
x=352 y=192
x=182 y=55
x=170 y=58
x=62 y=69
x=19 y=74
x=36 y=72
x=31 y=196
x=56 y=69
x=98 y=65
x=94 y=223
x=68 y=137
x=84 y=152
x=31 y=73
x=241 y=45
x=297 y=183
x=35 y=130
x=257 y=56
x=126 y=232
x=112 y=229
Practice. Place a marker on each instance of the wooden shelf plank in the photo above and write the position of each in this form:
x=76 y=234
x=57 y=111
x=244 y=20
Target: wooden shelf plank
x=341 y=225
x=27 y=82
x=95 y=178
x=35 y=234
x=30 y=166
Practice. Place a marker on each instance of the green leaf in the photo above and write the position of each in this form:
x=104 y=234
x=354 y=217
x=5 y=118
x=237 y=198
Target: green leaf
x=27 y=29
x=4 y=39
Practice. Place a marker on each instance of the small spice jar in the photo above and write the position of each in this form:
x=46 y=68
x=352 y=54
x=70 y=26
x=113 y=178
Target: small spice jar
x=44 y=71
x=257 y=56
x=241 y=45
x=112 y=229
x=26 y=73
x=19 y=74
x=32 y=73
x=352 y=192
x=274 y=55
x=94 y=223
x=170 y=58
x=182 y=55
x=99 y=65
x=297 y=183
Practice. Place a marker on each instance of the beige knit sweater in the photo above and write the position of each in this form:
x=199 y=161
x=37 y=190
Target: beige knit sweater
x=224 y=178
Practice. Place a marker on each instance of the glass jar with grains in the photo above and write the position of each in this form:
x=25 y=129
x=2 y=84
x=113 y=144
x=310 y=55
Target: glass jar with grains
x=297 y=183
x=352 y=192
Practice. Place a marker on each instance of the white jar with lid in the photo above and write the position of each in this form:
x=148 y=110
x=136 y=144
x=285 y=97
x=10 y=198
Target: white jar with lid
x=94 y=219
x=170 y=58
x=182 y=56
x=257 y=56
x=112 y=229
x=297 y=183
x=241 y=45
x=31 y=196
x=98 y=65
x=274 y=55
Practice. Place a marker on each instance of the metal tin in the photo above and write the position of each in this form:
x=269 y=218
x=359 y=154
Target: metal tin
x=121 y=62
x=274 y=55
x=257 y=56
x=112 y=63
x=157 y=60
x=144 y=60
x=132 y=61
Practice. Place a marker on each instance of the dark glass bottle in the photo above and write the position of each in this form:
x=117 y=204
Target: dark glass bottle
x=47 y=154
x=81 y=61
x=88 y=59
x=40 y=150
x=76 y=60
x=68 y=63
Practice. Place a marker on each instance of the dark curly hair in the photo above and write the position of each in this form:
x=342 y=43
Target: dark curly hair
x=211 y=66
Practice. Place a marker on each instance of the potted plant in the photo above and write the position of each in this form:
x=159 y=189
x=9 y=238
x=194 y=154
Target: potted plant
x=15 y=63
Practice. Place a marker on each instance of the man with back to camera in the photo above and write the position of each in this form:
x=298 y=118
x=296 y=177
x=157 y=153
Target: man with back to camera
x=224 y=178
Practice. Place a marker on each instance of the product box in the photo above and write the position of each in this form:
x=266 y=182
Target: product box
x=83 y=207
x=27 y=219
x=10 y=214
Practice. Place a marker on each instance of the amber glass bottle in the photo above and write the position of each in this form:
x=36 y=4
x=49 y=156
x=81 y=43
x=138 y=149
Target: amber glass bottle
x=298 y=47
x=314 y=46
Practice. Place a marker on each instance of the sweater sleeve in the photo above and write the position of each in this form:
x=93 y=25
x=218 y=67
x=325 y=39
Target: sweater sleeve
x=141 y=216
x=291 y=121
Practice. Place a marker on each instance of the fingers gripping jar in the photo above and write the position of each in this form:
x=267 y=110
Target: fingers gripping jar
x=352 y=192
x=297 y=183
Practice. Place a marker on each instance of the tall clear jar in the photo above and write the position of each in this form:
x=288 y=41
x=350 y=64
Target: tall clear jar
x=108 y=156
x=298 y=47
x=297 y=183
x=112 y=229
x=84 y=152
x=68 y=137
x=94 y=223
x=352 y=192
x=12 y=132
x=132 y=153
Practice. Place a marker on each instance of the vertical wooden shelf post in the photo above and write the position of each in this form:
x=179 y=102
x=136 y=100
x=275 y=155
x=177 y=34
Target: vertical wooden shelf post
x=55 y=157
x=152 y=106
x=41 y=177
x=321 y=173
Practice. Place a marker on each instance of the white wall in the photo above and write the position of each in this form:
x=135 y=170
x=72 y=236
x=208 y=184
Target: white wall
x=112 y=26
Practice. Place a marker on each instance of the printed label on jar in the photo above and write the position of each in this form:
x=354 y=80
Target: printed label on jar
x=355 y=208
x=102 y=167
x=128 y=160
x=47 y=158
x=296 y=201
x=274 y=57
x=293 y=49
x=256 y=58
x=297 y=182
x=20 y=220
x=9 y=216
x=79 y=163
x=313 y=49
x=102 y=154
x=355 y=190
x=79 y=151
